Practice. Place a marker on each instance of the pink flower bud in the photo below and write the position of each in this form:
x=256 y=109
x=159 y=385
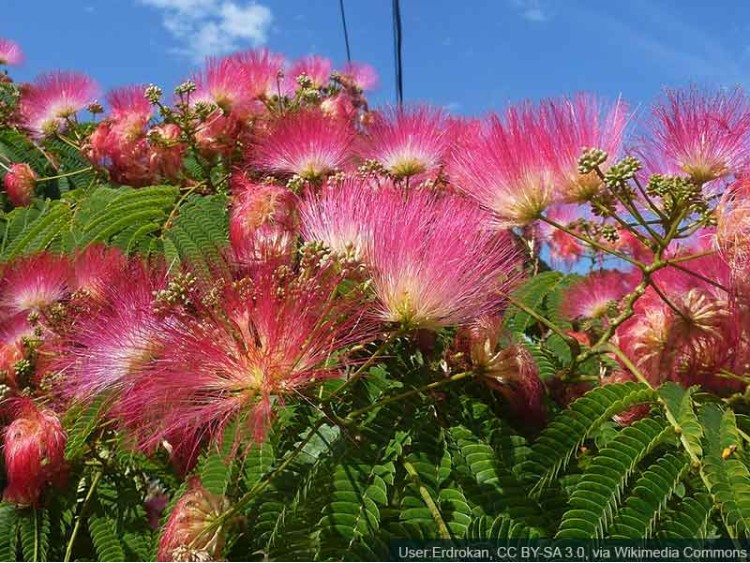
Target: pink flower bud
x=187 y=536
x=19 y=184
x=34 y=446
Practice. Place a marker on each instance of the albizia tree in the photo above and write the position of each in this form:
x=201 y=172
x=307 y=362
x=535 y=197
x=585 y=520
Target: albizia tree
x=259 y=319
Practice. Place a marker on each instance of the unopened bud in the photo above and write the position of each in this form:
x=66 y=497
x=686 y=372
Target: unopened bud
x=188 y=535
x=34 y=453
x=20 y=182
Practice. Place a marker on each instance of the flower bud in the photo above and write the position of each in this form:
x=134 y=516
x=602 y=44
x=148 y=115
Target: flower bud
x=187 y=536
x=19 y=184
x=34 y=445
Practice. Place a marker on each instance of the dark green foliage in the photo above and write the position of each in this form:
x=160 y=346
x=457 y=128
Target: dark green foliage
x=559 y=441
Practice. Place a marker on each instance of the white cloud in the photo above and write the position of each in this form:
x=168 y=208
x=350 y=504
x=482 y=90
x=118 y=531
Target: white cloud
x=531 y=10
x=213 y=27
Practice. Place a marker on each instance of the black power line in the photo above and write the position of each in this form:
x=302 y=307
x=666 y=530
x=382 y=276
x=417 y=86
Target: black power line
x=346 y=32
x=397 y=52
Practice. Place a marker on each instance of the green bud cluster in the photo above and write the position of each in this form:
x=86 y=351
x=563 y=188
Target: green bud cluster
x=622 y=171
x=590 y=159
x=187 y=87
x=153 y=93
x=177 y=292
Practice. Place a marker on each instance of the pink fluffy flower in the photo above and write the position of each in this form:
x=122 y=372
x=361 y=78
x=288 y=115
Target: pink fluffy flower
x=265 y=338
x=314 y=68
x=131 y=112
x=20 y=182
x=733 y=226
x=306 y=143
x=10 y=52
x=360 y=76
x=706 y=136
x=187 y=536
x=96 y=267
x=669 y=340
x=52 y=98
x=574 y=125
x=263 y=222
x=224 y=83
x=597 y=294
x=34 y=445
x=264 y=71
x=407 y=141
x=509 y=167
x=31 y=283
x=338 y=217
x=110 y=346
x=436 y=260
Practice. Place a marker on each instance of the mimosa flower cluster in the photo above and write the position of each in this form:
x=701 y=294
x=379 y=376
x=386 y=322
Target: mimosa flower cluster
x=350 y=227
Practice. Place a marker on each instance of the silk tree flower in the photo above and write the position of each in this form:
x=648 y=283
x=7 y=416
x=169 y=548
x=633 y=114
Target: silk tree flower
x=34 y=446
x=306 y=144
x=594 y=296
x=20 y=182
x=663 y=337
x=706 y=136
x=95 y=268
x=317 y=71
x=407 y=142
x=54 y=97
x=132 y=153
x=31 y=283
x=338 y=217
x=264 y=71
x=110 y=346
x=224 y=82
x=263 y=222
x=576 y=124
x=130 y=113
x=509 y=167
x=504 y=365
x=10 y=52
x=733 y=227
x=263 y=338
x=187 y=536
x=436 y=260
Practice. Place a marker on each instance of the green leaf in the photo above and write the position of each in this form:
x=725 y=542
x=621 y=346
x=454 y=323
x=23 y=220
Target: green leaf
x=200 y=232
x=257 y=463
x=103 y=532
x=726 y=477
x=679 y=404
x=689 y=519
x=8 y=532
x=485 y=528
x=561 y=439
x=597 y=495
x=496 y=490
x=34 y=524
x=122 y=216
x=29 y=231
x=81 y=421
x=532 y=294
x=650 y=494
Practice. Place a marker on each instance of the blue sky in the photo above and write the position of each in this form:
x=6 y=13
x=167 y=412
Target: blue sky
x=471 y=56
